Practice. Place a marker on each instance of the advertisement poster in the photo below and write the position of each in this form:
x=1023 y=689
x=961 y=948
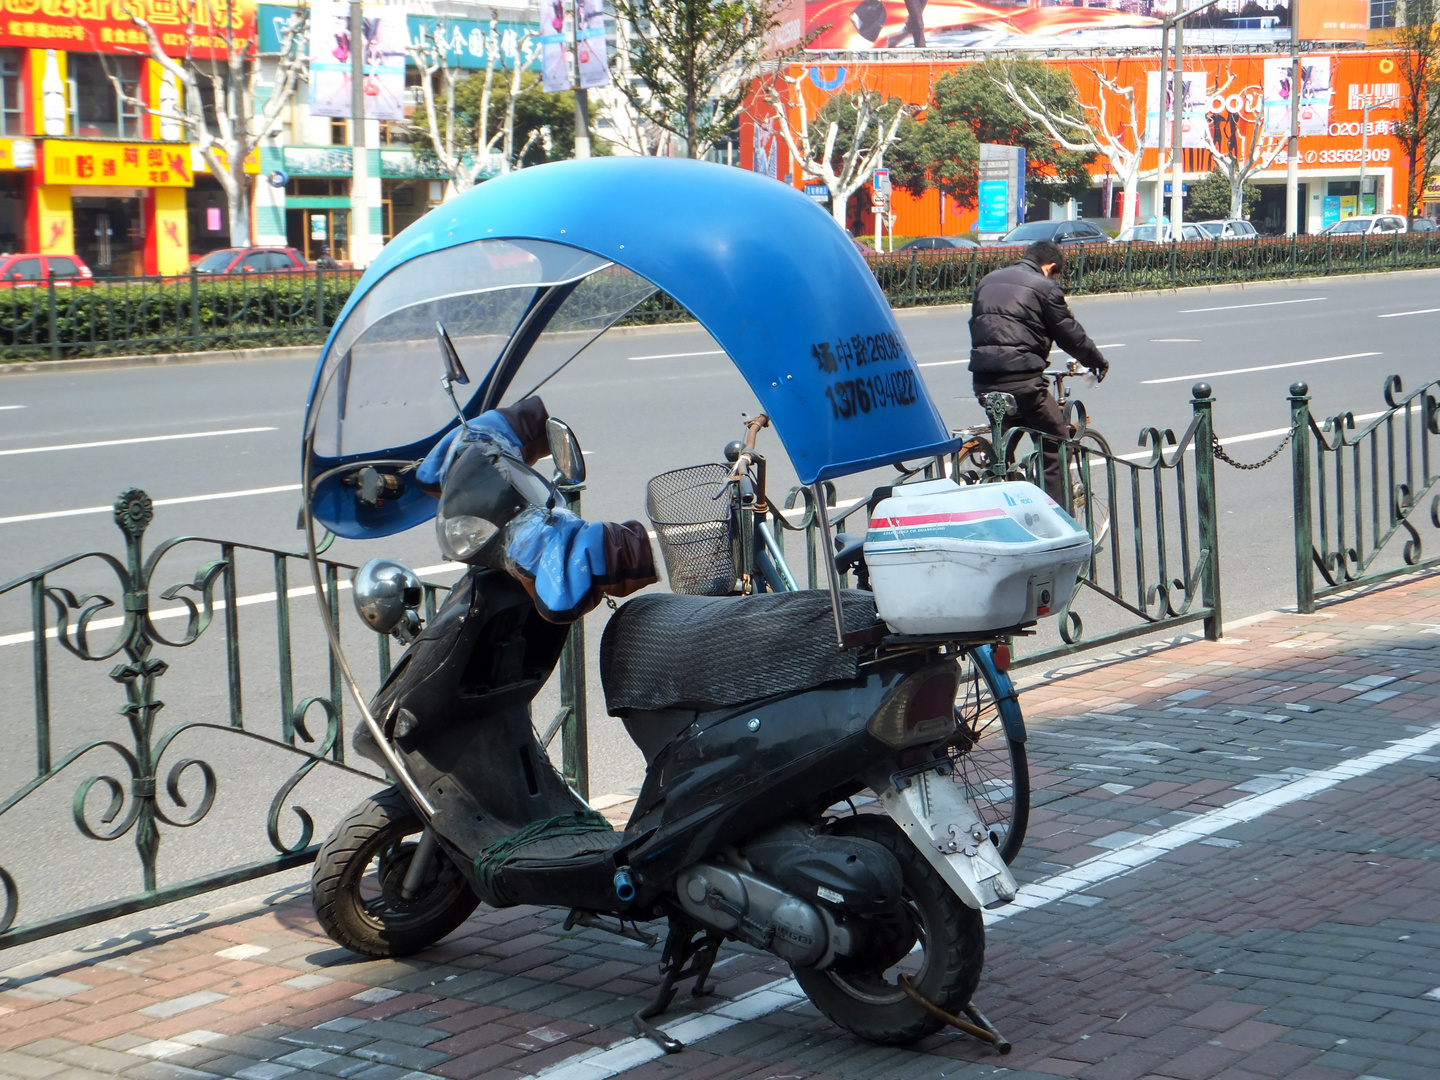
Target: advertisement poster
x=994 y=206
x=1193 y=113
x=594 y=59
x=1334 y=20
x=1315 y=91
x=854 y=25
x=555 y=45
x=386 y=36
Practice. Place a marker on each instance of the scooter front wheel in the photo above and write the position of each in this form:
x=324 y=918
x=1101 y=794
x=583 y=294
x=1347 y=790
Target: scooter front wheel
x=932 y=937
x=356 y=883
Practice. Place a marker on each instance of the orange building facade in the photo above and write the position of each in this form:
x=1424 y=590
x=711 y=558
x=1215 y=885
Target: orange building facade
x=1232 y=112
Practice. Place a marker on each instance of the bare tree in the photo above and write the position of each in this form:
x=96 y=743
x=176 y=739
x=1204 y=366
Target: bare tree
x=230 y=131
x=685 y=65
x=634 y=132
x=1417 y=39
x=1239 y=146
x=867 y=121
x=465 y=150
x=1109 y=127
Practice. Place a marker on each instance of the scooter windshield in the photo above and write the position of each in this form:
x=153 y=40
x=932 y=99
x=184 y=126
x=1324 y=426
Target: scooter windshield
x=528 y=268
x=503 y=303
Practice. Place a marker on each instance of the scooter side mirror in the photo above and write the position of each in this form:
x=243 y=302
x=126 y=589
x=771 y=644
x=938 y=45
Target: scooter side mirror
x=387 y=596
x=565 y=450
x=454 y=370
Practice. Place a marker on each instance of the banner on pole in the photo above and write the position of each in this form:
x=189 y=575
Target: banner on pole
x=386 y=36
x=1192 y=117
x=1315 y=93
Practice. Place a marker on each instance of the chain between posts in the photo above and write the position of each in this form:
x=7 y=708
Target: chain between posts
x=1228 y=460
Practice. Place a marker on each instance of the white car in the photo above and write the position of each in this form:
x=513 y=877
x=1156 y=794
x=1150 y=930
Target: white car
x=1228 y=230
x=1146 y=234
x=1366 y=224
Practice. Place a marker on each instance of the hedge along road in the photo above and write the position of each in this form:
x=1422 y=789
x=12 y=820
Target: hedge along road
x=643 y=402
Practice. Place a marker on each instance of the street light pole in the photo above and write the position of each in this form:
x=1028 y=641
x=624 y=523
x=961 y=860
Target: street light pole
x=1177 y=199
x=360 y=176
x=1292 y=163
x=1177 y=98
x=1159 y=200
x=582 y=96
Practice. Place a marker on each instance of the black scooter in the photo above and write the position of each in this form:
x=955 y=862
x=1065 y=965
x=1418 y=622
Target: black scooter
x=755 y=728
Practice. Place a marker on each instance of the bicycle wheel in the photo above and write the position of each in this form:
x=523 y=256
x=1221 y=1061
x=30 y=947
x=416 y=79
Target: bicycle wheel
x=972 y=462
x=990 y=765
x=1092 y=500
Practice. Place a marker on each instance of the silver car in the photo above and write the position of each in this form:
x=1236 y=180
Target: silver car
x=1228 y=230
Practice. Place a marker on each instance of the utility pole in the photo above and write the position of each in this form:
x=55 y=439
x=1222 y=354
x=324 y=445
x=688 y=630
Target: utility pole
x=360 y=177
x=582 y=96
x=1177 y=198
x=1368 y=104
x=1177 y=97
x=1292 y=163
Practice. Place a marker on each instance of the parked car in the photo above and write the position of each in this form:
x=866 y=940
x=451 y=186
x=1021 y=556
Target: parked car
x=251 y=260
x=27 y=271
x=937 y=243
x=1228 y=230
x=1366 y=224
x=1146 y=234
x=1424 y=224
x=1061 y=232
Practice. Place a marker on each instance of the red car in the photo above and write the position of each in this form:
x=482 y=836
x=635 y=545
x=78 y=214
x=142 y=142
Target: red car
x=251 y=260
x=26 y=271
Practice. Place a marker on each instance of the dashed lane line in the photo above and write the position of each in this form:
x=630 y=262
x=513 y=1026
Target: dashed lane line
x=132 y=442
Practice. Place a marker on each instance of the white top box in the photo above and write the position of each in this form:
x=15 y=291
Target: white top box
x=950 y=559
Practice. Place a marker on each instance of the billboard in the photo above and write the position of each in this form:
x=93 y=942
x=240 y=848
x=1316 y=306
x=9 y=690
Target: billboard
x=1193 y=113
x=1315 y=91
x=386 y=37
x=1334 y=20
x=558 y=37
x=96 y=26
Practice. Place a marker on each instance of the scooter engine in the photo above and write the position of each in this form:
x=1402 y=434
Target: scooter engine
x=792 y=892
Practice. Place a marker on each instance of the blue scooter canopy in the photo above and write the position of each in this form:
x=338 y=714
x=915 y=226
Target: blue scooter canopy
x=526 y=270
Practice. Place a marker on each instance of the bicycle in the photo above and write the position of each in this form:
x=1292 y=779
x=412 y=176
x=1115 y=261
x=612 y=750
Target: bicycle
x=1091 y=492
x=703 y=540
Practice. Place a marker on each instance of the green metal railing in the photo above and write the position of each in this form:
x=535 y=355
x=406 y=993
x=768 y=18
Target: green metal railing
x=1357 y=490
x=919 y=278
x=1157 y=564
x=147 y=796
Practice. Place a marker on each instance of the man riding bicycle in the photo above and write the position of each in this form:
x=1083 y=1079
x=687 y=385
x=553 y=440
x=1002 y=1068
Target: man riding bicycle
x=1017 y=314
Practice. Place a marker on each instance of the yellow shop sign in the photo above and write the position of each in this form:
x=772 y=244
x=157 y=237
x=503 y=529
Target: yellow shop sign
x=76 y=162
x=17 y=154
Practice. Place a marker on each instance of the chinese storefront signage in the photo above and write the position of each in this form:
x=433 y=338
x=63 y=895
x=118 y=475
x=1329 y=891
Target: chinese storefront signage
x=115 y=164
x=184 y=29
x=17 y=154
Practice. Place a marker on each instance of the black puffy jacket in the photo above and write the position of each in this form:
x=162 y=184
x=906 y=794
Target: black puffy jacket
x=1015 y=317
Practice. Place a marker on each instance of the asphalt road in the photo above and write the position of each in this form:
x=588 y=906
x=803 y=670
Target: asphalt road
x=217 y=446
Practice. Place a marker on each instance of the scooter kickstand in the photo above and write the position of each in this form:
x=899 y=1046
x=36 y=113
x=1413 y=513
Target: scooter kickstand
x=683 y=958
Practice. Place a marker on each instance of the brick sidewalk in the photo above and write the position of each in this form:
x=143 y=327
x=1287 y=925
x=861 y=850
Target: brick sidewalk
x=1296 y=938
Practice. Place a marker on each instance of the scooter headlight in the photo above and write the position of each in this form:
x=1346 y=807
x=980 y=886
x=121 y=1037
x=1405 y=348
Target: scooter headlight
x=483 y=490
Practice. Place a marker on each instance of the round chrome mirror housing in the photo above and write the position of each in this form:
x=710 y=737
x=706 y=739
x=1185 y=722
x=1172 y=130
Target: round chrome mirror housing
x=565 y=451
x=386 y=591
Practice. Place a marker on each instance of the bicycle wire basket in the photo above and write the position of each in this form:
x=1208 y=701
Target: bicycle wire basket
x=695 y=529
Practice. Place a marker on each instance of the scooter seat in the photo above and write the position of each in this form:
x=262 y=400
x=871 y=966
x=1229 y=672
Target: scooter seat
x=667 y=651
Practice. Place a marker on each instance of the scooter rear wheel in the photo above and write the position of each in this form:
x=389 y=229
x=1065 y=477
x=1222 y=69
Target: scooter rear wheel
x=934 y=938
x=355 y=885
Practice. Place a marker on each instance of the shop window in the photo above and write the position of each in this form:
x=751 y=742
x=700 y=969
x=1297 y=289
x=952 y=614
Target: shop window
x=12 y=109
x=318 y=186
x=339 y=133
x=97 y=108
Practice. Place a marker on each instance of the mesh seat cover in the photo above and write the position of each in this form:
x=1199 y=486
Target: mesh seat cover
x=663 y=651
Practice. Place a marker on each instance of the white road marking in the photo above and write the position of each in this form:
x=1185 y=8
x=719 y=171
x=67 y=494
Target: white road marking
x=6 y=408
x=24 y=637
x=1398 y=314
x=1113 y=345
x=131 y=442
x=1148 y=849
x=678 y=355
x=601 y=1064
x=942 y=363
x=1264 y=367
x=1174 y=340
x=158 y=502
x=1236 y=307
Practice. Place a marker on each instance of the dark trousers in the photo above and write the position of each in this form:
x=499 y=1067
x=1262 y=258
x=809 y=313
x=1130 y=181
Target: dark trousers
x=1037 y=409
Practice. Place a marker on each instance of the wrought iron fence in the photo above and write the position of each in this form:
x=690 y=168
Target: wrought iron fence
x=1156 y=562
x=1356 y=490
x=159 y=783
x=941 y=277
